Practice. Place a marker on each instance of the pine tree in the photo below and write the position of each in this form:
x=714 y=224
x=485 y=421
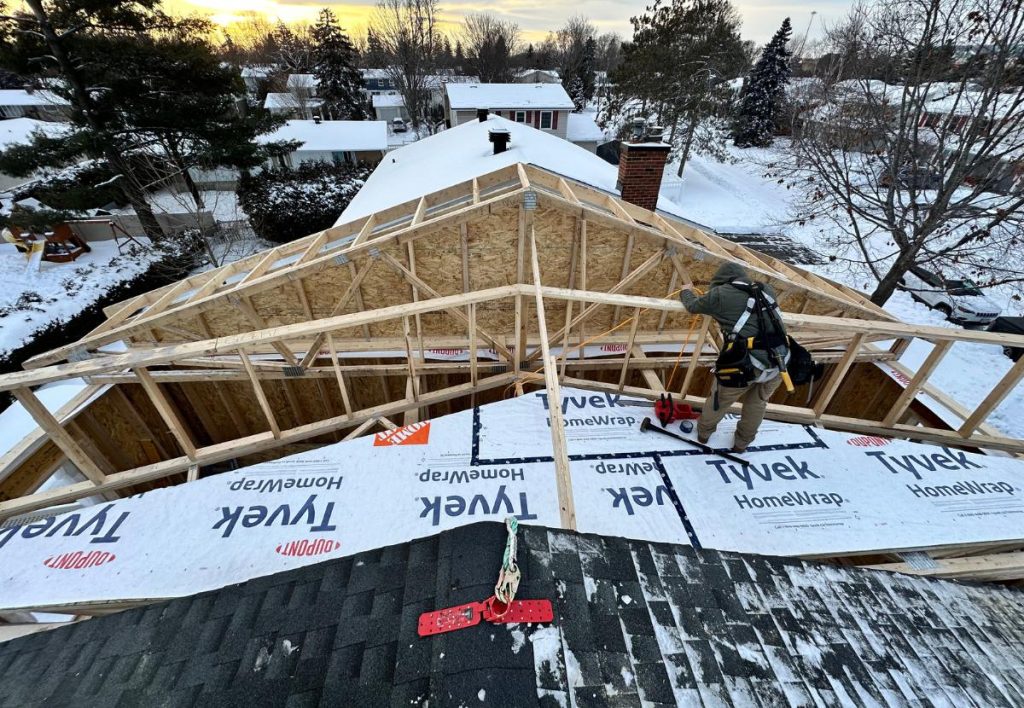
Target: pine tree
x=168 y=104
x=763 y=91
x=460 y=59
x=577 y=92
x=587 y=66
x=335 y=60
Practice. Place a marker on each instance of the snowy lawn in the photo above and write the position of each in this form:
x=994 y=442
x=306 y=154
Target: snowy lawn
x=31 y=298
x=223 y=204
x=738 y=198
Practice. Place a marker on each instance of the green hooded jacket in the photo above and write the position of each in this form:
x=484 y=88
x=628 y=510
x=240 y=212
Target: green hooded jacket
x=725 y=303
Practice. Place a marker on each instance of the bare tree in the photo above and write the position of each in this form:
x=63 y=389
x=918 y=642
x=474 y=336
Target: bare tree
x=490 y=44
x=410 y=40
x=923 y=171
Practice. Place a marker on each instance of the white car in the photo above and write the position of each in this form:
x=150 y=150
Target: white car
x=398 y=125
x=959 y=300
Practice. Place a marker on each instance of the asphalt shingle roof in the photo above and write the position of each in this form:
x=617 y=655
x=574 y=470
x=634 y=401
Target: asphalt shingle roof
x=636 y=624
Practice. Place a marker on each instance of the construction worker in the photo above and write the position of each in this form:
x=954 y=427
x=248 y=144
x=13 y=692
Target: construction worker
x=756 y=338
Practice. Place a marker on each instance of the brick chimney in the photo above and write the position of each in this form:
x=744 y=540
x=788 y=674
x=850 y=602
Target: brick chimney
x=641 y=165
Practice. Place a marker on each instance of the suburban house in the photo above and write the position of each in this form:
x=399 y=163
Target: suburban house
x=292 y=105
x=584 y=131
x=256 y=78
x=31 y=103
x=543 y=106
x=377 y=81
x=337 y=141
x=305 y=85
x=538 y=76
x=388 y=106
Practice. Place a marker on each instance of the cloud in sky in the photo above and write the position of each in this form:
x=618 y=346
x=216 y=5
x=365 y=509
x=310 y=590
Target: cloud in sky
x=534 y=17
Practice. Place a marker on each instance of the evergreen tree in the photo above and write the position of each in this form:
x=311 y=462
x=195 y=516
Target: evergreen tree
x=334 y=66
x=167 y=104
x=459 y=59
x=577 y=92
x=763 y=91
x=673 y=71
x=374 y=51
x=587 y=67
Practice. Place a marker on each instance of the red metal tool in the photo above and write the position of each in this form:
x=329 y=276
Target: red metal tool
x=667 y=411
x=469 y=614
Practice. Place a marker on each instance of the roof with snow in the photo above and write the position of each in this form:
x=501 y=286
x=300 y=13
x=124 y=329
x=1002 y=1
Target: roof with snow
x=21 y=97
x=582 y=128
x=465 y=152
x=388 y=100
x=302 y=81
x=20 y=130
x=288 y=100
x=462 y=96
x=636 y=623
x=331 y=135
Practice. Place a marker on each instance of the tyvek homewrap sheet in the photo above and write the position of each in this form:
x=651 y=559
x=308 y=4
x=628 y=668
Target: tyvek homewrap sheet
x=808 y=491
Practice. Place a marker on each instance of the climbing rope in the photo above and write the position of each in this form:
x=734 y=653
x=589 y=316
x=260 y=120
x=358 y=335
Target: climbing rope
x=509 y=577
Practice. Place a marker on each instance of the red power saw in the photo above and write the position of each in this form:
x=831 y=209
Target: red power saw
x=667 y=411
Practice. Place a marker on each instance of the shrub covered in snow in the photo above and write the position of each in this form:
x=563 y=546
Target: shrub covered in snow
x=283 y=205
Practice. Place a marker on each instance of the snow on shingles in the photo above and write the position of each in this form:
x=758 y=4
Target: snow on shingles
x=332 y=135
x=583 y=127
x=498 y=96
x=464 y=152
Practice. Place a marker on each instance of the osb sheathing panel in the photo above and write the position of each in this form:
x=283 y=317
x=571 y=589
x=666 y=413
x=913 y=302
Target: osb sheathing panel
x=31 y=473
x=492 y=246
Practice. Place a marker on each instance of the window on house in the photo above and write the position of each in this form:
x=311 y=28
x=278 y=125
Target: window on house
x=520 y=117
x=545 y=120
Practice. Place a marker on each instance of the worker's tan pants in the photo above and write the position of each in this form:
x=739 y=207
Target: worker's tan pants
x=755 y=400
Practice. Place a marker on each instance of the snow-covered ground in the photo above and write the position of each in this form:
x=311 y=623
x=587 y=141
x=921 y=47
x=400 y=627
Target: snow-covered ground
x=223 y=204
x=738 y=198
x=33 y=297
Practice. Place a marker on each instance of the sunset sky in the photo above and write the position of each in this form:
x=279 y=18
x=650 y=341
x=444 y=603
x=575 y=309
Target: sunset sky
x=534 y=17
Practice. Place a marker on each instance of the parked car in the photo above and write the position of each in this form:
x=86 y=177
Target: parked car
x=398 y=125
x=1009 y=325
x=959 y=300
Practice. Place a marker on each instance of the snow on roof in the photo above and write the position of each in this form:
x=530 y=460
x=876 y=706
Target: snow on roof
x=384 y=100
x=463 y=152
x=553 y=73
x=258 y=71
x=508 y=96
x=20 y=130
x=375 y=73
x=332 y=135
x=21 y=97
x=289 y=100
x=583 y=128
x=302 y=81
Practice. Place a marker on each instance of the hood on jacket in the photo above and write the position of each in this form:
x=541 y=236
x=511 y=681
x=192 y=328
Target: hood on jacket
x=728 y=272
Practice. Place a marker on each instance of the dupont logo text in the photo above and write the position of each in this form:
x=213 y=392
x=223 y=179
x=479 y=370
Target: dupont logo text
x=868 y=441
x=415 y=434
x=78 y=560
x=307 y=547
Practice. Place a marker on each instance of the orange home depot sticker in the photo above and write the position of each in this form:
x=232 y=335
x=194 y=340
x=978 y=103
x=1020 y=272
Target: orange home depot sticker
x=415 y=434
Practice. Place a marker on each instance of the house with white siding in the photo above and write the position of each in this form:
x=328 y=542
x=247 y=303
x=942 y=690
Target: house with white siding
x=31 y=103
x=337 y=141
x=543 y=106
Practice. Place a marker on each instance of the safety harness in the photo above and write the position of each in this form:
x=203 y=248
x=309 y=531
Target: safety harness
x=736 y=367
